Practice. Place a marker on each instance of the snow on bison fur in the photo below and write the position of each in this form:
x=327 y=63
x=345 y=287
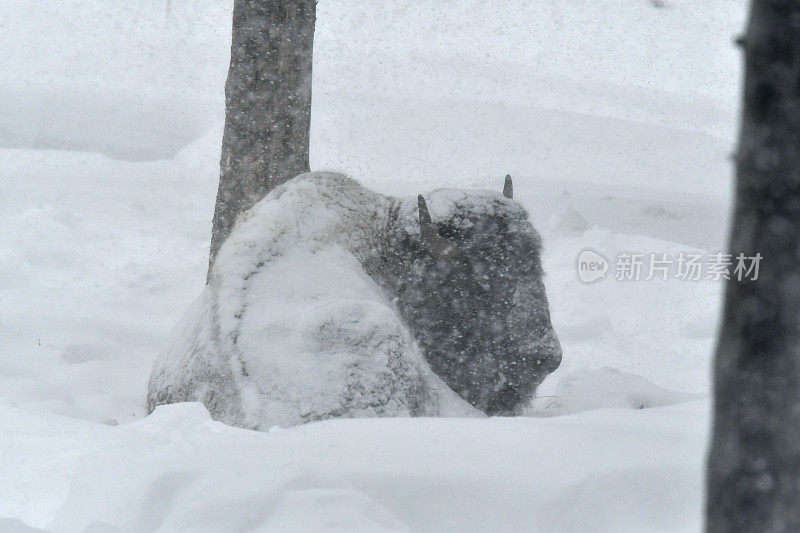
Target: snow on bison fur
x=329 y=300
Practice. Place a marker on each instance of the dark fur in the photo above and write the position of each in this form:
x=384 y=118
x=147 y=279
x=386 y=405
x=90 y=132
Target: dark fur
x=480 y=316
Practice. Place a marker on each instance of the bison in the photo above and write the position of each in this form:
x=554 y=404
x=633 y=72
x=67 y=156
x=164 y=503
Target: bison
x=329 y=300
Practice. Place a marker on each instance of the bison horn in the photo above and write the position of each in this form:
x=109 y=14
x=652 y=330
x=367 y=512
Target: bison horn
x=424 y=214
x=428 y=229
x=508 y=187
x=433 y=242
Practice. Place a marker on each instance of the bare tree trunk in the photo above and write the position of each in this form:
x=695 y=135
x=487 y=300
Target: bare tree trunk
x=754 y=459
x=267 y=105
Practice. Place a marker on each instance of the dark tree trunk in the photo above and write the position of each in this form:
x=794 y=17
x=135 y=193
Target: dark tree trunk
x=754 y=459
x=267 y=106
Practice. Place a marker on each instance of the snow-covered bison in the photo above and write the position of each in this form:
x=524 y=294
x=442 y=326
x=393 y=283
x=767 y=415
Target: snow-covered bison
x=330 y=300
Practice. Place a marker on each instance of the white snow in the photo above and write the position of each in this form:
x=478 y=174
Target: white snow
x=610 y=112
x=616 y=470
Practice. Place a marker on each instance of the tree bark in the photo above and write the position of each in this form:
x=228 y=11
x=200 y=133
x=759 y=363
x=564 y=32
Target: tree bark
x=754 y=458
x=267 y=106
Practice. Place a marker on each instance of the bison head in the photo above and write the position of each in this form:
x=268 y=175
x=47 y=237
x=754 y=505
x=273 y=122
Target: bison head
x=471 y=289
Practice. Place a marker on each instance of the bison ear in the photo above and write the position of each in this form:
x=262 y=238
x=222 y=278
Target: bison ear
x=508 y=187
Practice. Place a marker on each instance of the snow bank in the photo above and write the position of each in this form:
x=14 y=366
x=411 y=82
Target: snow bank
x=605 y=388
x=178 y=470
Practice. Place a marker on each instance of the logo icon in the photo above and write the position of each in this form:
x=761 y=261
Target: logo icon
x=591 y=266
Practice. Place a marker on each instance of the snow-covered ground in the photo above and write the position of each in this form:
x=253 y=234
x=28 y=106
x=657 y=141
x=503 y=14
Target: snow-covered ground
x=616 y=119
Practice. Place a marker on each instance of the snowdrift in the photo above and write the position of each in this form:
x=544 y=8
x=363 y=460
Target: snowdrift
x=177 y=470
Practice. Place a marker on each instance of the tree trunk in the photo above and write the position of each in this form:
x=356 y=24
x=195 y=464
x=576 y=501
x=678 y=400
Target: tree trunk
x=267 y=106
x=754 y=459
